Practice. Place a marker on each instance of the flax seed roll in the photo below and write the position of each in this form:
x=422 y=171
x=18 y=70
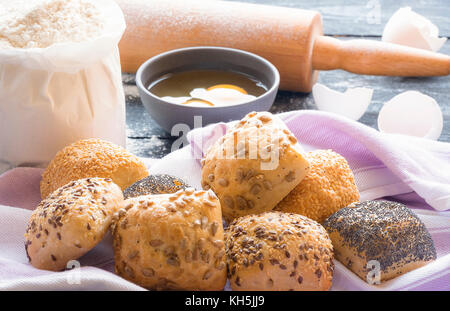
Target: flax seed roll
x=171 y=241
x=381 y=233
x=277 y=251
x=328 y=187
x=70 y=222
x=254 y=166
x=92 y=158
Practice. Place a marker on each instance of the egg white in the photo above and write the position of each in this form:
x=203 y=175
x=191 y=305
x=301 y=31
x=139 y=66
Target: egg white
x=217 y=96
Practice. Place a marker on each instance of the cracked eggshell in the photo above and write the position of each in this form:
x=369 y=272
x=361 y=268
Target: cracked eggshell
x=406 y=27
x=352 y=103
x=411 y=113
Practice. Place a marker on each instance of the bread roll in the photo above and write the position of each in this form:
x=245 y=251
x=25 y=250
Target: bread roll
x=379 y=235
x=155 y=184
x=276 y=251
x=171 y=241
x=328 y=187
x=70 y=222
x=92 y=158
x=254 y=166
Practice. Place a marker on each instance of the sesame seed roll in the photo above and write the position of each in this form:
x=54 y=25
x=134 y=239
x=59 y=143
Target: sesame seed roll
x=328 y=187
x=92 y=158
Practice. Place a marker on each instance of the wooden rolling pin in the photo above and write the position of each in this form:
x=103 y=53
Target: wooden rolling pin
x=292 y=39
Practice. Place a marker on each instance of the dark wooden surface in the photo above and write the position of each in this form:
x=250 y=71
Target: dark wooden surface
x=346 y=19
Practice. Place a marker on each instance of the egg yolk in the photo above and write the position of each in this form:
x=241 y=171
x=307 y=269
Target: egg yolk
x=227 y=86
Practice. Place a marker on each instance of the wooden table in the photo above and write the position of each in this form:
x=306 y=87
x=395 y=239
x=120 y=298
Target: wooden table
x=354 y=19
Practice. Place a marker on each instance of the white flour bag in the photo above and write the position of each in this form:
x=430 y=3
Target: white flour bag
x=60 y=77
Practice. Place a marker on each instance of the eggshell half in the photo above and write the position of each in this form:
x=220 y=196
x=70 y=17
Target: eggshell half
x=352 y=103
x=411 y=113
x=406 y=27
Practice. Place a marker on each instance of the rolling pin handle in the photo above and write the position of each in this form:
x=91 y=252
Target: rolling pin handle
x=371 y=57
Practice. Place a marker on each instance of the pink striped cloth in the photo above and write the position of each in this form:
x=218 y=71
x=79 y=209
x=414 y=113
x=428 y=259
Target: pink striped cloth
x=413 y=171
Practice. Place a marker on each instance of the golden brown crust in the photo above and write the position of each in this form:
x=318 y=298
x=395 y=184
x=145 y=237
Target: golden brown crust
x=252 y=177
x=277 y=251
x=92 y=158
x=328 y=187
x=70 y=222
x=171 y=241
